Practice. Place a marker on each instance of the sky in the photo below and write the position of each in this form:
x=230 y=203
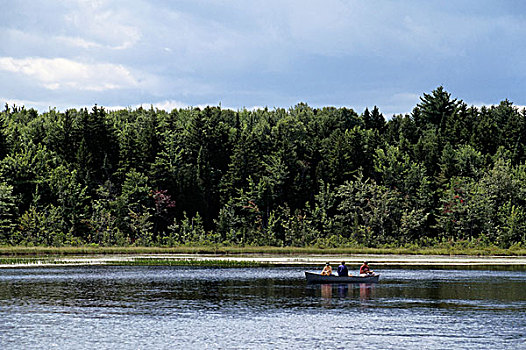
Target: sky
x=250 y=54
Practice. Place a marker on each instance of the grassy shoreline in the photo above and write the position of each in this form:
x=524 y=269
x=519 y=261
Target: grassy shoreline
x=23 y=251
x=18 y=262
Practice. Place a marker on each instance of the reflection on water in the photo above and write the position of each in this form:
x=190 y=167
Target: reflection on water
x=365 y=291
x=183 y=307
x=346 y=290
x=326 y=291
x=343 y=289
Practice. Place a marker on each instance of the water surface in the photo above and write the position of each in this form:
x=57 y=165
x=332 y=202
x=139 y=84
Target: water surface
x=265 y=308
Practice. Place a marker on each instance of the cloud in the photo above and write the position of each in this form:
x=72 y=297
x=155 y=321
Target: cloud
x=399 y=103
x=342 y=52
x=398 y=30
x=479 y=105
x=78 y=42
x=104 y=24
x=61 y=73
x=38 y=105
x=165 y=105
x=169 y=105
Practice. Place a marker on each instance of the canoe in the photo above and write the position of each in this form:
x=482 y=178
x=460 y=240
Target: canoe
x=319 y=278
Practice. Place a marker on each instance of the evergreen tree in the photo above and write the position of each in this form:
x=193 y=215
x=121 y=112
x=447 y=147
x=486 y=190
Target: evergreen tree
x=436 y=108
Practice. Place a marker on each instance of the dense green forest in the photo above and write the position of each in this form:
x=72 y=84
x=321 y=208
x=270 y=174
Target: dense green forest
x=327 y=177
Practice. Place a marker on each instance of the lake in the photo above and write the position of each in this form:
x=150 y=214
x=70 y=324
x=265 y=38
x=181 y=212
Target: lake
x=112 y=307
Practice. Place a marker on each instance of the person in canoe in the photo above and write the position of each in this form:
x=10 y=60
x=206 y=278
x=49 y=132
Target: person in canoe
x=327 y=270
x=342 y=270
x=365 y=270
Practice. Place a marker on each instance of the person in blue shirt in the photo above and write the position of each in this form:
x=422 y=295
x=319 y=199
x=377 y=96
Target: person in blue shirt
x=342 y=270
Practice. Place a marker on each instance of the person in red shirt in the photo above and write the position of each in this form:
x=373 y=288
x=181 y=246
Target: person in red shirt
x=365 y=270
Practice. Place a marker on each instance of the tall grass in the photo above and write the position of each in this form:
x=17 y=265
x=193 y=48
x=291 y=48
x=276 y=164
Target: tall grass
x=442 y=249
x=139 y=262
x=187 y=262
x=28 y=261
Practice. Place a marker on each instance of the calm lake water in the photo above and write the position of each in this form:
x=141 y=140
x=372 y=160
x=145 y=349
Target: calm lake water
x=262 y=308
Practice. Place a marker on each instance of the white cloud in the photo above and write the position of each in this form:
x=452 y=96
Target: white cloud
x=388 y=29
x=169 y=105
x=166 y=105
x=78 y=42
x=98 y=22
x=268 y=53
x=61 y=73
x=479 y=105
x=397 y=103
x=38 y=105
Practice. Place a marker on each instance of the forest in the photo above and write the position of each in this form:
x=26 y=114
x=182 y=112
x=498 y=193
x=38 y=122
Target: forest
x=303 y=176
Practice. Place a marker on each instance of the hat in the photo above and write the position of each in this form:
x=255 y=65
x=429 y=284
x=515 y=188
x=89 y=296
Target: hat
x=328 y=263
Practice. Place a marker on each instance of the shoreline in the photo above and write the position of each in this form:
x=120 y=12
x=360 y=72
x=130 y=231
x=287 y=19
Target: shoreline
x=456 y=249
x=271 y=260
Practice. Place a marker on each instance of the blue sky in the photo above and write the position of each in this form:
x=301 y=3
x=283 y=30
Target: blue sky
x=172 y=54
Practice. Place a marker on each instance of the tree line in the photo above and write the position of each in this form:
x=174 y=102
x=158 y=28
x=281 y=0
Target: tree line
x=283 y=177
